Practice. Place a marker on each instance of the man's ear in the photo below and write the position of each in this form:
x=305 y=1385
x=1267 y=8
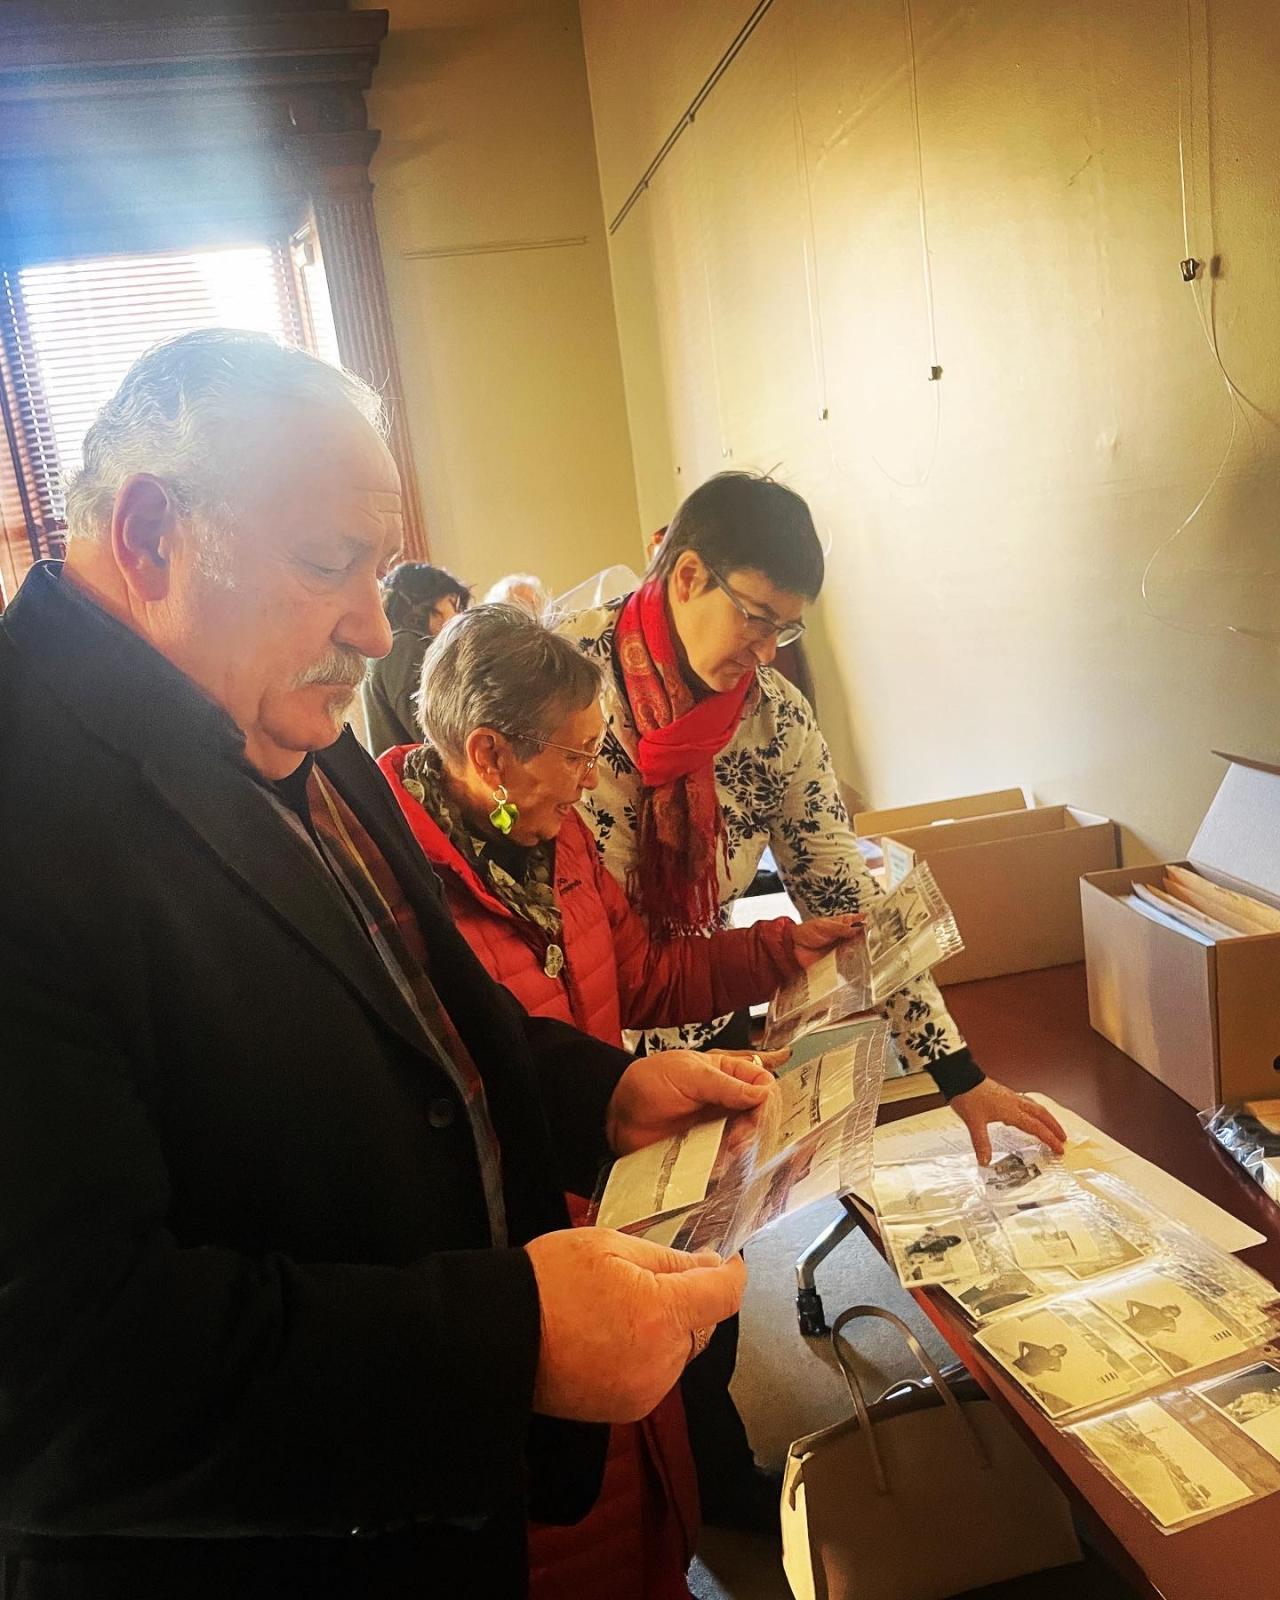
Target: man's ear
x=688 y=576
x=145 y=532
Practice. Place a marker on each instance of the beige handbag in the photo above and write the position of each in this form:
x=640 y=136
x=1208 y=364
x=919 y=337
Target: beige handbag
x=923 y=1494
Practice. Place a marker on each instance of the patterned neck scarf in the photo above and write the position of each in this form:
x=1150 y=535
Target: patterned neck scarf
x=681 y=836
x=372 y=889
x=523 y=879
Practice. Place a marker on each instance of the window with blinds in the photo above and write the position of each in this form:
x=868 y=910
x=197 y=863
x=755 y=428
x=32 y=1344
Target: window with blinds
x=69 y=330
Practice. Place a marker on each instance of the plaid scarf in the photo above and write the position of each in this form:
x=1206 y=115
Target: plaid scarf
x=370 y=885
x=681 y=837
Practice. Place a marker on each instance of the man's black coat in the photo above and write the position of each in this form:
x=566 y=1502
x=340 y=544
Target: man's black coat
x=253 y=1336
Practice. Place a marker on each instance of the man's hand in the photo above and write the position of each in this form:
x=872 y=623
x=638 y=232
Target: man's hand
x=989 y=1102
x=665 y=1094
x=812 y=940
x=619 y=1319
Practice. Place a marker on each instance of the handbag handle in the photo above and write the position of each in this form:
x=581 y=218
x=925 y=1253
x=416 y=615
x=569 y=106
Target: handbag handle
x=856 y=1394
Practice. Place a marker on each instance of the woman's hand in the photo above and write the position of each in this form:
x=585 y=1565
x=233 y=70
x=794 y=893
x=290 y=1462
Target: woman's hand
x=812 y=940
x=989 y=1102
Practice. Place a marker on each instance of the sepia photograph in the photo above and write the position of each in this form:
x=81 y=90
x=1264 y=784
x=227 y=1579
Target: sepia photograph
x=1062 y=1234
x=1179 y=1328
x=894 y=919
x=1162 y=1464
x=987 y=1296
x=1252 y=1401
x=934 y=1254
x=811 y=1094
x=1052 y=1357
x=1010 y=1172
x=906 y=1189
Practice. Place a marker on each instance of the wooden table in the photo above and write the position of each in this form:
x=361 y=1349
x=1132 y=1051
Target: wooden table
x=1032 y=1031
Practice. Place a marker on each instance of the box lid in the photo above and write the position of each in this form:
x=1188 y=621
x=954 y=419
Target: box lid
x=875 y=823
x=1240 y=834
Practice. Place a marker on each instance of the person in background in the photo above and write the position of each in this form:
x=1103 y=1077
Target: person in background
x=520 y=589
x=292 y=1306
x=418 y=600
x=513 y=723
x=710 y=756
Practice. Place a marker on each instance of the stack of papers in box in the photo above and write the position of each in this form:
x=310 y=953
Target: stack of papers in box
x=1203 y=910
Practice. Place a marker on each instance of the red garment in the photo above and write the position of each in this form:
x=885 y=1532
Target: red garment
x=637 y=1542
x=616 y=975
x=681 y=834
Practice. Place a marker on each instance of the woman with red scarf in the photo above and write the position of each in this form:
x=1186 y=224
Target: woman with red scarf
x=711 y=757
x=513 y=721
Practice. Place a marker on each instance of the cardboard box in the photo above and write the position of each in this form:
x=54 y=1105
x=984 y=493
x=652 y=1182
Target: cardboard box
x=1012 y=879
x=871 y=827
x=873 y=824
x=1205 y=1019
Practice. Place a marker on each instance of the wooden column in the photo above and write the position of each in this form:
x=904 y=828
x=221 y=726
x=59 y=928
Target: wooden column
x=347 y=234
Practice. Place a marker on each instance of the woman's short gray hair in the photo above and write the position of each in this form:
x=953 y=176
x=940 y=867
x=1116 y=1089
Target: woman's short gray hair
x=172 y=413
x=496 y=667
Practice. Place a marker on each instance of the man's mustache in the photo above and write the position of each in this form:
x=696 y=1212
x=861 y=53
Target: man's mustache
x=341 y=668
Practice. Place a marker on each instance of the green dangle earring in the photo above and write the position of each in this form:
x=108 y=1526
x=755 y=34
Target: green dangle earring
x=505 y=813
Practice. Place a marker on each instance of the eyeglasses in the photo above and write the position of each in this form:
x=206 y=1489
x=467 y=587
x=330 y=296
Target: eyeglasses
x=584 y=759
x=759 y=627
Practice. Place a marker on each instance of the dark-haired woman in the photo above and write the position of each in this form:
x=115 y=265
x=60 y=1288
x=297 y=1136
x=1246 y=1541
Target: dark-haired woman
x=418 y=600
x=710 y=756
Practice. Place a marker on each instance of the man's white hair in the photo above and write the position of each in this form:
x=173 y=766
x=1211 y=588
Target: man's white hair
x=174 y=416
x=507 y=592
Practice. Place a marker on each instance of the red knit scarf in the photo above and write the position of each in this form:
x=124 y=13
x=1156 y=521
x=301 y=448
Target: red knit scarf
x=681 y=837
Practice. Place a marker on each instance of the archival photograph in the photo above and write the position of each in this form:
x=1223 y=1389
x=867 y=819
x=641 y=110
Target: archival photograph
x=1011 y=1173
x=1064 y=1234
x=932 y=1254
x=1161 y=1463
x=1179 y=1328
x=906 y=1189
x=986 y=1296
x=1252 y=1401
x=1056 y=1360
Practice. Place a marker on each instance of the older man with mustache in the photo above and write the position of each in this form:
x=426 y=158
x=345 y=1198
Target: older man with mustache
x=290 y=1302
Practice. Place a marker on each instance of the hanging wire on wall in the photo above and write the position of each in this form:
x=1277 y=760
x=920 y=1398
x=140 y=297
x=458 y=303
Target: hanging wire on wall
x=704 y=257
x=812 y=282
x=1194 y=271
x=812 y=260
x=926 y=261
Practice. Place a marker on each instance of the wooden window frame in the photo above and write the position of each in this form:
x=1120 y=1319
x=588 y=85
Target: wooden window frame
x=281 y=142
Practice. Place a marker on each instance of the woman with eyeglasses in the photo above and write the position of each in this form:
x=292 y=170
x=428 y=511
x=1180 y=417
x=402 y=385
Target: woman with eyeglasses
x=513 y=724
x=710 y=756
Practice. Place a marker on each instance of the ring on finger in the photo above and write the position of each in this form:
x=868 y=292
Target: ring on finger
x=699 y=1339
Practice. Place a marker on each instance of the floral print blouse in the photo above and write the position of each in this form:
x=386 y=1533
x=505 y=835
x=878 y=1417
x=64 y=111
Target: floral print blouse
x=777 y=788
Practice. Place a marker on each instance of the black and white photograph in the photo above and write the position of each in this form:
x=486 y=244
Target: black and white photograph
x=987 y=1296
x=1054 y=1358
x=936 y=1253
x=1252 y=1401
x=908 y=1189
x=1180 y=1329
x=1010 y=1172
x=1163 y=1465
x=1061 y=1234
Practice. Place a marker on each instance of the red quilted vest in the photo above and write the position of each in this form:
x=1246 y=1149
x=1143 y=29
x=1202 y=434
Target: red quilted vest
x=638 y=1540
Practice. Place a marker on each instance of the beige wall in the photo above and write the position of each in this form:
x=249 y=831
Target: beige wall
x=983 y=622
x=510 y=358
